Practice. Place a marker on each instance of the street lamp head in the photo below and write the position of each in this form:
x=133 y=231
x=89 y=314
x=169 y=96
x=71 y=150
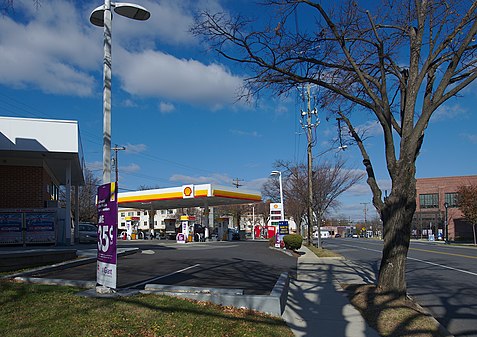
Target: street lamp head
x=131 y=11
x=446 y=205
x=273 y=173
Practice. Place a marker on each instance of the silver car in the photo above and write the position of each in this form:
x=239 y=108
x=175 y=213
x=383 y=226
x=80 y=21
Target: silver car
x=88 y=233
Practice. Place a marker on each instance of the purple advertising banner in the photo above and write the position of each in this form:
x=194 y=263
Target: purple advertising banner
x=107 y=234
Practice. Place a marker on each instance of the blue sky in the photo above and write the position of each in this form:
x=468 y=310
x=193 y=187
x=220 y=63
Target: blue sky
x=174 y=104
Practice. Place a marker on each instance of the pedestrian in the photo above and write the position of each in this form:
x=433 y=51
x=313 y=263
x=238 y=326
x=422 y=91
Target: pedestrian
x=152 y=234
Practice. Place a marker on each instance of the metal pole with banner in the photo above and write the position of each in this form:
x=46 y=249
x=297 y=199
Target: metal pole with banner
x=283 y=230
x=107 y=235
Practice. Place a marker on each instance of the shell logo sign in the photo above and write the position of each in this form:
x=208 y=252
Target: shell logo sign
x=187 y=191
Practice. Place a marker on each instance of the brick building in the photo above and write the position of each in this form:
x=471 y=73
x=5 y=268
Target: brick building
x=432 y=196
x=37 y=156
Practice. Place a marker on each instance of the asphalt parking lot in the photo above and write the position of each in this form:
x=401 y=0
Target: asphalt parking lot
x=248 y=265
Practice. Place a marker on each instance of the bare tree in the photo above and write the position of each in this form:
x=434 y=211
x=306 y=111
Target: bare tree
x=236 y=211
x=329 y=182
x=468 y=205
x=88 y=211
x=398 y=61
x=294 y=186
x=147 y=187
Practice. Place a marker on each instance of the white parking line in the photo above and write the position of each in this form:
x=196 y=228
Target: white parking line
x=163 y=276
x=443 y=266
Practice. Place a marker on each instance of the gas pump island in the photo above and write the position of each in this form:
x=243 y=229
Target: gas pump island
x=188 y=196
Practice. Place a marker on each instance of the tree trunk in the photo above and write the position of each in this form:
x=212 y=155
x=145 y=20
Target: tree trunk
x=397 y=222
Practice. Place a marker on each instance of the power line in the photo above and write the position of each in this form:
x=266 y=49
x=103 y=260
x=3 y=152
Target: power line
x=236 y=182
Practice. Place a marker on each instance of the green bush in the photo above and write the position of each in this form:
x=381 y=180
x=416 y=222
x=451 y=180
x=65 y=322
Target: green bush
x=292 y=241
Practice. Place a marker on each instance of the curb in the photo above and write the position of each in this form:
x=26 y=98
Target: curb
x=272 y=304
x=60 y=266
x=442 y=330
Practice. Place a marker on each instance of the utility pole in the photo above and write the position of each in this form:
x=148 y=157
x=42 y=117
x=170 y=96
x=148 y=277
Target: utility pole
x=309 y=125
x=117 y=148
x=236 y=182
x=365 y=212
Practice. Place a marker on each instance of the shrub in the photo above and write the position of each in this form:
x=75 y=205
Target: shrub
x=292 y=241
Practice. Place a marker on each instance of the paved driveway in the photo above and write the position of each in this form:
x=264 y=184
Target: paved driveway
x=248 y=265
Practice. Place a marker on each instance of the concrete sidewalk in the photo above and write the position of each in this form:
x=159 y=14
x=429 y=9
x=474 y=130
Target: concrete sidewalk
x=317 y=306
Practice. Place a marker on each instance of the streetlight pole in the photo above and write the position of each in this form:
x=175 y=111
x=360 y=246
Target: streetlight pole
x=279 y=173
x=102 y=17
x=107 y=15
x=446 y=225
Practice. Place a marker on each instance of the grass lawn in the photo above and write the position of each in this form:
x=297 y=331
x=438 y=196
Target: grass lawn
x=40 y=310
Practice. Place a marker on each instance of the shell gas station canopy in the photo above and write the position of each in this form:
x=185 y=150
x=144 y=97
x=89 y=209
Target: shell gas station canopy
x=205 y=195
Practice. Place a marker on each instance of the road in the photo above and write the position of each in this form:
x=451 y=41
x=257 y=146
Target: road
x=442 y=278
x=248 y=265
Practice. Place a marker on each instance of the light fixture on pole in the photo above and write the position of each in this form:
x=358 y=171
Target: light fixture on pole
x=279 y=173
x=101 y=17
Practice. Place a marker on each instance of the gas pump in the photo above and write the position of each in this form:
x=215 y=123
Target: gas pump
x=132 y=223
x=222 y=225
x=187 y=229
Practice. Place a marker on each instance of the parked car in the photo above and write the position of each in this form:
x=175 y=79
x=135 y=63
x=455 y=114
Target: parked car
x=88 y=233
x=337 y=235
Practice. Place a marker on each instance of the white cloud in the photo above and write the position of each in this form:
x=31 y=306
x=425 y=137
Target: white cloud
x=370 y=128
x=129 y=103
x=165 y=107
x=256 y=184
x=47 y=49
x=446 y=112
x=216 y=178
x=471 y=138
x=362 y=188
x=169 y=24
x=56 y=49
x=131 y=168
x=245 y=133
x=95 y=166
x=219 y=179
x=156 y=74
x=135 y=148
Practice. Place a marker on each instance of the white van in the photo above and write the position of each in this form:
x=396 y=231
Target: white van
x=324 y=234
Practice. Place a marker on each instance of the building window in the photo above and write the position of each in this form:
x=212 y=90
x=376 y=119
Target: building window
x=130 y=213
x=429 y=200
x=451 y=199
x=145 y=223
x=123 y=214
x=138 y=213
x=163 y=211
